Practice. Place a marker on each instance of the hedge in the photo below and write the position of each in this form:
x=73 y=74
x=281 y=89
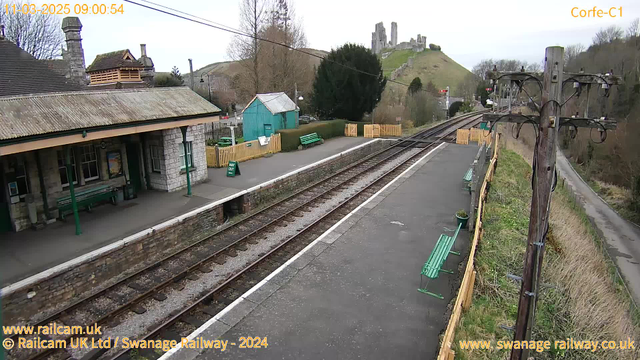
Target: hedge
x=326 y=129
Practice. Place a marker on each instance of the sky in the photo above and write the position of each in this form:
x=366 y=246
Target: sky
x=467 y=31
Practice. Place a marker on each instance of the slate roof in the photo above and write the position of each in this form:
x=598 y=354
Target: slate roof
x=21 y=73
x=113 y=60
x=31 y=115
x=275 y=102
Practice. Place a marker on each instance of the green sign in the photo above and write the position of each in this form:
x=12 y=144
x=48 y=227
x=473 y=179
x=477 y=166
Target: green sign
x=233 y=169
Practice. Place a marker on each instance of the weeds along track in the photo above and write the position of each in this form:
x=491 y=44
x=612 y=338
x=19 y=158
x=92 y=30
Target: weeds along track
x=174 y=296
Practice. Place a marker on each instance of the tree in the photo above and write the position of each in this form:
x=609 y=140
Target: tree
x=608 y=35
x=432 y=89
x=344 y=91
x=173 y=79
x=422 y=108
x=467 y=87
x=245 y=49
x=36 y=33
x=481 y=91
x=481 y=68
x=634 y=29
x=415 y=86
x=571 y=53
x=280 y=68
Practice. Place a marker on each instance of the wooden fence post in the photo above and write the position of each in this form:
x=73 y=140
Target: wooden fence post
x=467 y=301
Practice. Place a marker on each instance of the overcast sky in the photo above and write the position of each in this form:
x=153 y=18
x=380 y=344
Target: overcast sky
x=468 y=31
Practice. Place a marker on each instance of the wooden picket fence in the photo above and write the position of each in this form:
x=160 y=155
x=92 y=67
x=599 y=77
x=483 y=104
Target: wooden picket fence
x=465 y=293
x=351 y=130
x=378 y=130
x=462 y=136
x=478 y=135
x=220 y=156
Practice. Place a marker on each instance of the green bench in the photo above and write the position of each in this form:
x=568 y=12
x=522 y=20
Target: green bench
x=437 y=258
x=310 y=139
x=224 y=141
x=85 y=199
x=468 y=176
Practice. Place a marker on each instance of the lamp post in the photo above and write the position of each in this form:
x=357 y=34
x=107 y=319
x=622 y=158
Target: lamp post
x=208 y=84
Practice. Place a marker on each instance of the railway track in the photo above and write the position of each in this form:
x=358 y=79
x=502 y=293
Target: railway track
x=149 y=284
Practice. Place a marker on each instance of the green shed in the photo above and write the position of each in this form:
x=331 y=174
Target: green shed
x=268 y=113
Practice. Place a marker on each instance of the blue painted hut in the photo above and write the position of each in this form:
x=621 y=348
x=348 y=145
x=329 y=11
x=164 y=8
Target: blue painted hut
x=268 y=113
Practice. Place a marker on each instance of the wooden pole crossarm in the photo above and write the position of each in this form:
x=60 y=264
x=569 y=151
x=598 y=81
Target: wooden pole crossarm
x=592 y=78
x=582 y=78
x=607 y=124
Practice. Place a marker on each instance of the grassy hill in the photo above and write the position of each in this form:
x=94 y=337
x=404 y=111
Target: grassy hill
x=231 y=68
x=428 y=65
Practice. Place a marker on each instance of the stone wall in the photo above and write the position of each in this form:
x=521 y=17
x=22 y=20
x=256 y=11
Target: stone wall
x=172 y=143
x=60 y=289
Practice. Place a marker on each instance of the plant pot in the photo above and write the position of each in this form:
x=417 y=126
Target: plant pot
x=462 y=220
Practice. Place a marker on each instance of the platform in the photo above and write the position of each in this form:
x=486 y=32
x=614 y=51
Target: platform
x=353 y=293
x=29 y=252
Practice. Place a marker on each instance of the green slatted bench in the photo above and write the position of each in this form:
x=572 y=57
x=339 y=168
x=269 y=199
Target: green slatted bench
x=437 y=258
x=85 y=199
x=467 y=178
x=310 y=139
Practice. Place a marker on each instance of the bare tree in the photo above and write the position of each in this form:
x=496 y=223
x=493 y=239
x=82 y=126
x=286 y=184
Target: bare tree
x=608 y=35
x=467 y=87
x=634 y=29
x=245 y=49
x=283 y=68
x=481 y=68
x=534 y=67
x=38 y=34
x=571 y=53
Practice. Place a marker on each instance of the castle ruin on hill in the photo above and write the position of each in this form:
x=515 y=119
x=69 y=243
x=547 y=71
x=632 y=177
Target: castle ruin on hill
x=379 y=41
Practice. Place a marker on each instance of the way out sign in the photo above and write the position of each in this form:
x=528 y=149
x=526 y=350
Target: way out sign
x=233 y=169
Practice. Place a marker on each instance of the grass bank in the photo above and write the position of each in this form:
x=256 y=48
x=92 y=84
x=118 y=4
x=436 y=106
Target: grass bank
x=585 y=299
x=617 y=197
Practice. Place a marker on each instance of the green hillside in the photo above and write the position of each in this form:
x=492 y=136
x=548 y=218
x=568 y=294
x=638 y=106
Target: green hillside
x=434 y=66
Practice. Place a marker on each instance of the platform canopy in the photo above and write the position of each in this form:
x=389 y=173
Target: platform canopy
x=52 y=119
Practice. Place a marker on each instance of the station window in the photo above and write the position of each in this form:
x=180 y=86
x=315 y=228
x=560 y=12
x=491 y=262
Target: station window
x=62 y=169
x=21 y=179
x=89 y=162
x=156 y=158
x=189 y=155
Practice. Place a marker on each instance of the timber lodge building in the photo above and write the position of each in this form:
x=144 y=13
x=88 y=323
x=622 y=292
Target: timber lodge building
x=64 y=139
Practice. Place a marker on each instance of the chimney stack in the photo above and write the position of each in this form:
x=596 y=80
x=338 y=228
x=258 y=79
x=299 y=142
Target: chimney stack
x=74 y=56
x=149 y=70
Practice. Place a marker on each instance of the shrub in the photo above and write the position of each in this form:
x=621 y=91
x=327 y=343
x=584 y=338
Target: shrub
x=326 y=129
x=435 y=47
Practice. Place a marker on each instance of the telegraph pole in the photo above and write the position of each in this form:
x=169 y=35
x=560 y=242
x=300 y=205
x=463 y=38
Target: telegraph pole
x=544 y=164
x=543 y=182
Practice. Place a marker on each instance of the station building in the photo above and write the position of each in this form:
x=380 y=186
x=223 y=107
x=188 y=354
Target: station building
x=59 y=135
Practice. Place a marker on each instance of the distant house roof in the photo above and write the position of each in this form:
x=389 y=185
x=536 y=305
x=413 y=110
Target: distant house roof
x=31 y=115
x=114 y=60
x=21 y=73
x=275 y=102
